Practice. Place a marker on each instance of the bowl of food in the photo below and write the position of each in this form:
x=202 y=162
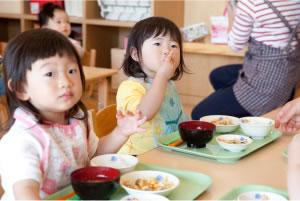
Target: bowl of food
x=256 y=127
x=224 y=124
x=260 y=195
x=144 y=197
x=147 y=181
x=124 y=163
x=95 y=183
x=233 y=143
x=196 y=133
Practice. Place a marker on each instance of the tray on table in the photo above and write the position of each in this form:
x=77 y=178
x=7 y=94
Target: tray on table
x=192 y=184
x=235 y=192
x=285 y=153
x=214 y=151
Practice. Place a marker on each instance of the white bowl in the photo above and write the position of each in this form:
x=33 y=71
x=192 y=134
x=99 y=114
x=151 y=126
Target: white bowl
x=144 y=197
x=222 y=128
x=132 y=177
x=260 y=195
x=227 y=142
x=256 y=127
x=124 y=163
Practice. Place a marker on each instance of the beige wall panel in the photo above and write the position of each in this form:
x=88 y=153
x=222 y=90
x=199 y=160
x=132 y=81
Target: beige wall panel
x=196 y=86
x=197 y=11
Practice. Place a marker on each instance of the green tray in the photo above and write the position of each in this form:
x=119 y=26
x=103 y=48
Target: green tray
x=192 y=184
x=285 y=153
x=214 y=151
x=235 y=192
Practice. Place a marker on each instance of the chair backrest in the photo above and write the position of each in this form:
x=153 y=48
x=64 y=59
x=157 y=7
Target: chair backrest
x=2 y=48
x=89 y=58
x=105 y=120
x=3 y=113
x=1 y=189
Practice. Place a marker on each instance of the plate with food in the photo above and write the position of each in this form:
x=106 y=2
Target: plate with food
x=224 y=123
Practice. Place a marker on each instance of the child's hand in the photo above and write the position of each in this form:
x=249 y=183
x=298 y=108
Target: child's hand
x=168 y=66
x=289 y=116
x=130 y=123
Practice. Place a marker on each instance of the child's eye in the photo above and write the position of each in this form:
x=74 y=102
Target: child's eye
x=157 y=44
x=72 y=71
x=58 y=22
x=50 y=74
x=174 y=46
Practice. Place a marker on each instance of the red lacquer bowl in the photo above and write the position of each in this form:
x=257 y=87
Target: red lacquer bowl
x=95 y=183
x=196 y=133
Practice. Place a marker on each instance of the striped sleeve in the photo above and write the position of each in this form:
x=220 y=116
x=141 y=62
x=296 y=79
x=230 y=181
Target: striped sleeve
x=242 y=26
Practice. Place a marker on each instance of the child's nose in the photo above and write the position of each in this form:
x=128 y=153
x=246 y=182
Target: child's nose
x=65 y=81
x=167 y=50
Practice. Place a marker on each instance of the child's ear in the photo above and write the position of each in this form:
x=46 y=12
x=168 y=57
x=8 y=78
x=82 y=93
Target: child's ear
x=22 y=95
x=134 y=54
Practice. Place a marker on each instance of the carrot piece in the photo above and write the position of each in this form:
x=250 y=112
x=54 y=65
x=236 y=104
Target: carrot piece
x=176 y=143
x=67 y=196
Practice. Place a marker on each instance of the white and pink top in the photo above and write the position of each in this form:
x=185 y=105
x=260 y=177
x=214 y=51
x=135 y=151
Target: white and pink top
x=255 y=19
x=45 y=153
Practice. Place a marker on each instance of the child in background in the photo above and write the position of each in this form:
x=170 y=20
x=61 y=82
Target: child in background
x=54 y=17
x=289 y=120
x=50 y=131
x=153 y=60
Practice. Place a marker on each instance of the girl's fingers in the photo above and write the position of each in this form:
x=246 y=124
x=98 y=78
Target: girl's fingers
x=141 y=130
x=142 y=121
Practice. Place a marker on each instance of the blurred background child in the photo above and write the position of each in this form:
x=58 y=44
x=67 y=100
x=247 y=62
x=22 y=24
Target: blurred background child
x=153 y=60
x=54 y=17
x=50 y=131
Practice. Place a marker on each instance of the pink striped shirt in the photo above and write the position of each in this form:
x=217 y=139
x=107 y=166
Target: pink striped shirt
x=254 y=18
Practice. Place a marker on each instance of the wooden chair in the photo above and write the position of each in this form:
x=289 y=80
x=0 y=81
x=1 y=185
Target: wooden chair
x=3 y=112
x=1 y=188
x=89 y=59
x=105 y=120
x=2 y=48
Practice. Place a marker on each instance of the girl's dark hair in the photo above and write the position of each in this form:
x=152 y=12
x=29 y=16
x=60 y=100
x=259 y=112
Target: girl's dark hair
x=47 y=13
x=21 y=52
x=144 y=29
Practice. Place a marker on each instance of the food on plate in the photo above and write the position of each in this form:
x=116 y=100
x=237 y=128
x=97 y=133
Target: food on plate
x=149 y=184
x=222 y=121
x=176 y=143
x=241 y=140
x=254 y=123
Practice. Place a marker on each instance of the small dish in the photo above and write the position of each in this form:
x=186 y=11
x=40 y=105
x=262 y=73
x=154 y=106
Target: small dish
x=155 y=182
x=224 y=123
x=256 y=127
x=234 y=143
x=122 y=162
x=144 y=197
x=260 y=195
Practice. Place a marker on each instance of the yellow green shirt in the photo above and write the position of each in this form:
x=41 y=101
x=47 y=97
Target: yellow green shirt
x=129 y=96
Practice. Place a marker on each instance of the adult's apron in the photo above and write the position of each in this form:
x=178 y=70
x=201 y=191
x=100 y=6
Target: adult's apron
x=269 y=74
